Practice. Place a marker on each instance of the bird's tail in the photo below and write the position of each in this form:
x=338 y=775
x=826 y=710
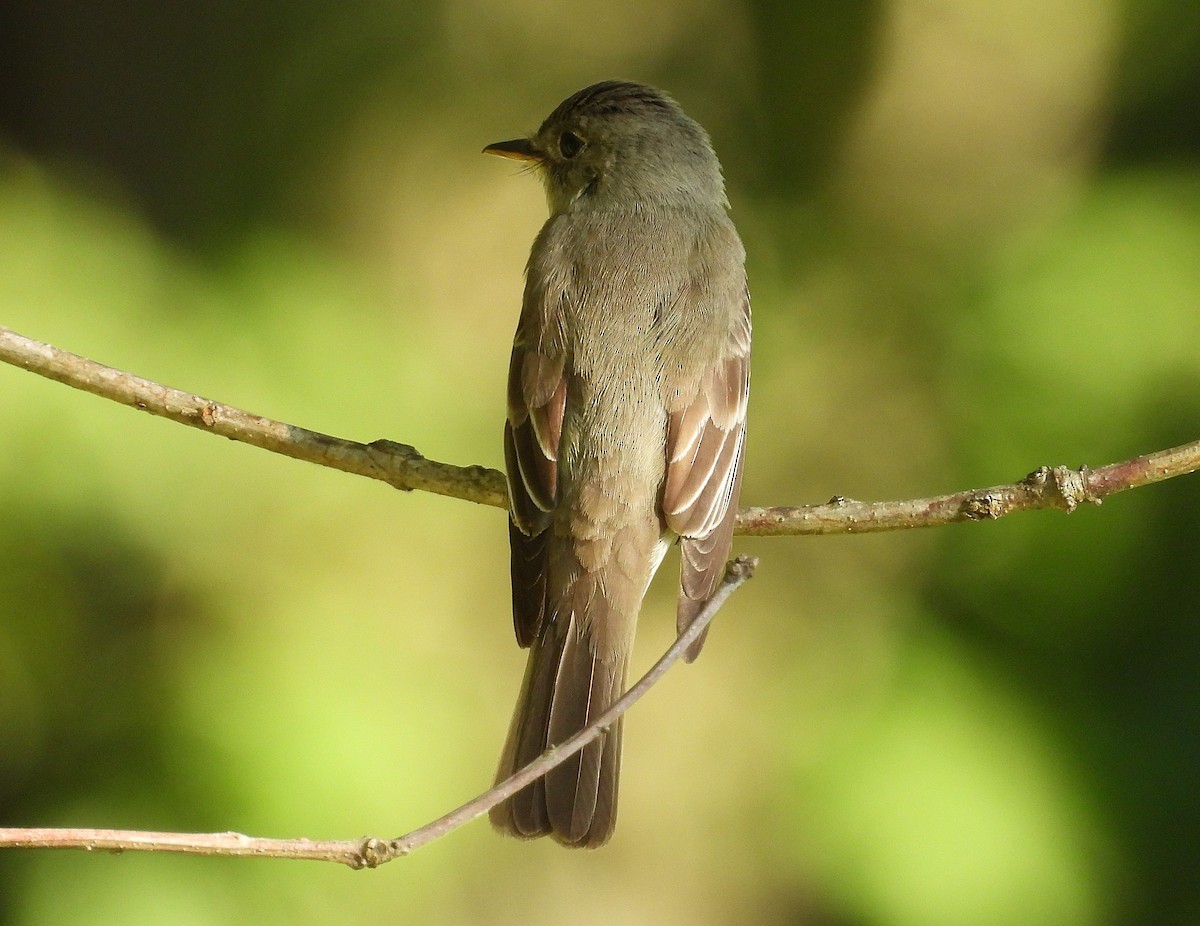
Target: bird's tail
x=569 y=681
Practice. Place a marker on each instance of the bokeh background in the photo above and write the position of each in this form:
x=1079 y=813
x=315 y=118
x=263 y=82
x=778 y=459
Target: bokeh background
x=974 y=238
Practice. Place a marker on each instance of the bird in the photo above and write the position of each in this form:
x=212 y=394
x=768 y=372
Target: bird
x=626 y=411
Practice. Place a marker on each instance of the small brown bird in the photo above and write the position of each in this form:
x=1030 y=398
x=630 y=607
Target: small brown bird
x=627 y=398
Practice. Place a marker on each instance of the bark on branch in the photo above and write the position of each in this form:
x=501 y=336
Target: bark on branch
x=403 y=467
x=370 y=851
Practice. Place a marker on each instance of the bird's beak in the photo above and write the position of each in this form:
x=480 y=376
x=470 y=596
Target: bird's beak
x=520 y=149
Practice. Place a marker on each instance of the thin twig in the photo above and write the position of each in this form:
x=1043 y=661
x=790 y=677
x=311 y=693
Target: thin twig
x=348 y=852
x=401 y=466
x=396 y=464
x=1046 y=487
x=371 y=852
x=737 y=572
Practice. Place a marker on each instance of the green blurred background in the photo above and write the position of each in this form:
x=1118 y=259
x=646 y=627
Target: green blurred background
x=974 y=238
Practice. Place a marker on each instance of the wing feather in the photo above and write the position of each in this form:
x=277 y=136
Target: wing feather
x=704 y=439
x=537 y=390
x=705 y=443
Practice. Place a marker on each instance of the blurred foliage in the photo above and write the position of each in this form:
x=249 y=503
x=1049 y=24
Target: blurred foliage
x=974 y=237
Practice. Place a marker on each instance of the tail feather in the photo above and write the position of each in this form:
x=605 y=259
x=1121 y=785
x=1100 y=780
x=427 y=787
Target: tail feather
x=581 y=793
x=566 y=687
x=524 y=814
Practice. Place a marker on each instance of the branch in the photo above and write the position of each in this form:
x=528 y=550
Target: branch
x=1046 y=487
x=401 y=466
x=371 y=852
x=396 y=464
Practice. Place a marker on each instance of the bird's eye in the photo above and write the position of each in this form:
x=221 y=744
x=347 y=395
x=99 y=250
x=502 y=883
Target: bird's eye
x=570 y=144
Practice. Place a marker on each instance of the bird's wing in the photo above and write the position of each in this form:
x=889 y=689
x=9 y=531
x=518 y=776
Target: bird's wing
x=537 y=396
x=705 y=437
